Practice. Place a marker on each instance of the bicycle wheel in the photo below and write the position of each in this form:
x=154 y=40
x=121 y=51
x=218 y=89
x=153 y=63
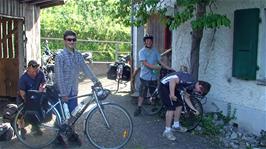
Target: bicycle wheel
x=36 y=135
x=115 y=136
x=189 y=119
x=152 y=105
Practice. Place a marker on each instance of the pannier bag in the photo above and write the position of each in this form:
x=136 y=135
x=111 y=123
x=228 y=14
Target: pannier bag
x=126 y=73
x=9 y=113
x=6 y=132
x=34 y=107
x=111 y=73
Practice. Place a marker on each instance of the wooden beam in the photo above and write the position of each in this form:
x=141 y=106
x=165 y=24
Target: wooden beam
x=36 y=2
x=44 y=3
x=16 y=39
x=4 y=39
x=25 y=1
x=51 y=4
x=1 y=50
x=9 y=39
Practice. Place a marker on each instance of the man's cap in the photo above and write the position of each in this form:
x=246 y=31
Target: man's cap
x=33 y=63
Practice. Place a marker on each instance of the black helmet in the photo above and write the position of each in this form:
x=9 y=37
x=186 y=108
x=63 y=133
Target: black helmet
x=147 y=36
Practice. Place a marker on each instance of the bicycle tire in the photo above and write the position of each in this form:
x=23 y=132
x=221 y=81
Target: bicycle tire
x=115 y=137
x=152 y=106
x=189 y=119
x=49 y=130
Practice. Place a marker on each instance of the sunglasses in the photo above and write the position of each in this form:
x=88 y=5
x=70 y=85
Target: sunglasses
x=71 y=39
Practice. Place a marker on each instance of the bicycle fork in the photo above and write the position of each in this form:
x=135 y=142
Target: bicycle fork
x=184 y=110
x=101 y=110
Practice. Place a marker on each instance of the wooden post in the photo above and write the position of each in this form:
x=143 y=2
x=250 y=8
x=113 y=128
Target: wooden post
x=4 y=38
x=9 y=39
x=1 y=52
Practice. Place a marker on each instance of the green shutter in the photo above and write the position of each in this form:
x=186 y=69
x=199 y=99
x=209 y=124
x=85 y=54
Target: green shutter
x=246 y=26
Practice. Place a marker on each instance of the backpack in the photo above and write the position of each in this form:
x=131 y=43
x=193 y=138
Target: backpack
x=9 y=113
x=6 y=132
x=34 y=107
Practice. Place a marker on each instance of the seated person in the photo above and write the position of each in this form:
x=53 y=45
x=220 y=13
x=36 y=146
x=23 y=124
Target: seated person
x=32 y=79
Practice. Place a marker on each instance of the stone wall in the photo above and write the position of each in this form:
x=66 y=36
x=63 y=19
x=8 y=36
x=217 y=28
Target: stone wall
x=100 y=68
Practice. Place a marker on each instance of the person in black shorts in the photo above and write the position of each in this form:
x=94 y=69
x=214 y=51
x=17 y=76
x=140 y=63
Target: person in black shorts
x=150 y=61
x=172 y=99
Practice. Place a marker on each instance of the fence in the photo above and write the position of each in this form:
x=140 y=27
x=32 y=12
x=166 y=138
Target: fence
x=101 y=50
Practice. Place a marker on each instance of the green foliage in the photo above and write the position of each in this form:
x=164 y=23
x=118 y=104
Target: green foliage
x=231 y=115
x=211 y=21
x=209 y=127
x=91 y=20
x=186 y=12
x=208 y=123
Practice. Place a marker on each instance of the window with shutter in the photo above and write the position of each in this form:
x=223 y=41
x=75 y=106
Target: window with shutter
x=246 y=26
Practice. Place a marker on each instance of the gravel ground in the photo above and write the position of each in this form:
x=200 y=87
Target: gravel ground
x=147 y=130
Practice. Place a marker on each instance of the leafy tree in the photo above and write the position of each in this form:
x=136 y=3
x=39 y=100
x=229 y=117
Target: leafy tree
x=91 y=20
x=198 y=12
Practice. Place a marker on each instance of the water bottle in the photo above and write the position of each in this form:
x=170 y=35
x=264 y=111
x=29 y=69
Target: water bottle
x=77 y=109
x=155 y=71
x=66 y=110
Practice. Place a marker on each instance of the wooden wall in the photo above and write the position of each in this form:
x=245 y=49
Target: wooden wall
x=161 y=35
x=156 y=28
x=11 y=8
x=23 y=40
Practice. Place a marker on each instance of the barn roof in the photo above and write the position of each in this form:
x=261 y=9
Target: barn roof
x=44 y=3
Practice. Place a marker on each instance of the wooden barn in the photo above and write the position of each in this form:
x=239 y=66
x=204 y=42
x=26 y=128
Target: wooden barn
x=19 y=39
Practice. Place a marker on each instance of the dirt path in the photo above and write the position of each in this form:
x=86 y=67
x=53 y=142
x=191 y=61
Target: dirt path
x=147 y=133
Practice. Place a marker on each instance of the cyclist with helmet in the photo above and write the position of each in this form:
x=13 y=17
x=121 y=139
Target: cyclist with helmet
x=149 y=58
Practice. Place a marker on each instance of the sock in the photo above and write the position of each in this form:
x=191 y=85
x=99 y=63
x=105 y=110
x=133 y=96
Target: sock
x=167 y=129
x=176 y=124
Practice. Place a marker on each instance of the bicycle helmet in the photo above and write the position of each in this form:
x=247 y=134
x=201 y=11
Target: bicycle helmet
x=147 y=36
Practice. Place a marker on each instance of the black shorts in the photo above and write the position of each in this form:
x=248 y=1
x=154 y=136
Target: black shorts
x=164 y=95
x=145 y=85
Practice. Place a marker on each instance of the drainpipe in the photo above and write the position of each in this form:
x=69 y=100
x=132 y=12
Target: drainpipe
x=167 y=38
x=167 y=43
x=132 y=47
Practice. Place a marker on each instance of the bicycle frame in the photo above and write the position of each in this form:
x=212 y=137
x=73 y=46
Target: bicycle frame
x=58 y=124
x=92 y=97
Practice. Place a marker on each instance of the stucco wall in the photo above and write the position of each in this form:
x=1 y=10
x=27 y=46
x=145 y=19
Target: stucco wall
x=216 y=66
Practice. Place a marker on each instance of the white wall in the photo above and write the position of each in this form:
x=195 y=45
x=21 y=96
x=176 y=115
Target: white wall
x=216 y=66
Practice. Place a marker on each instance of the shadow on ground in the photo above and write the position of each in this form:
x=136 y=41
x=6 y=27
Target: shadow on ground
x=147 y=130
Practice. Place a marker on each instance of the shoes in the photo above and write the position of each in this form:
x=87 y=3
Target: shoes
x=59 y=141
x=179 y=129
x=169 y=135
x=75 y=139
x=137 y=112
x=23 y=133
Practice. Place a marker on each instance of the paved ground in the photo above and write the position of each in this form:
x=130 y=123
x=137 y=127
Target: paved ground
x=147 y=133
